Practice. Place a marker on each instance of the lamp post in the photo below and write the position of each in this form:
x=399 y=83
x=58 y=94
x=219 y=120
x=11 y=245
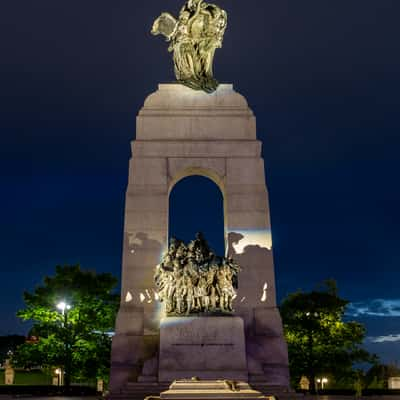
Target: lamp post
x=58 y=373
x=64 y=308
x=324 y=381
x=311 y=322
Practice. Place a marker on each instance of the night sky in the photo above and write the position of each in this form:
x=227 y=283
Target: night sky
x=323 y=79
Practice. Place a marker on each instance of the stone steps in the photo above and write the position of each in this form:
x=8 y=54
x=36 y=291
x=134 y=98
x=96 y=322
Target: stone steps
x=140 y=390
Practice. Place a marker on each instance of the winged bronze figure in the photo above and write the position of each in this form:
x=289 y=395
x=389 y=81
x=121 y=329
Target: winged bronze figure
x=193 y=38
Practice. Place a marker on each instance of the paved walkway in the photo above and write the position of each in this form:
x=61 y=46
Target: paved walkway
x=27 y=397
x=393 y=397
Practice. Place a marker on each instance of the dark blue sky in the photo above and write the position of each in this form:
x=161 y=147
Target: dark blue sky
x=323 y=80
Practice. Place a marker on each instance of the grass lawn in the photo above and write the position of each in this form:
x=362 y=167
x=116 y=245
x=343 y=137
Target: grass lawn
x=28 y=378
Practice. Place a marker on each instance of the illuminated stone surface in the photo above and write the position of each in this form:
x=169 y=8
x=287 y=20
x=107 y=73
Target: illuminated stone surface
x=216 y=389
x=205 y=347
x=394 y=383
x=181 y=132
x=9 y=373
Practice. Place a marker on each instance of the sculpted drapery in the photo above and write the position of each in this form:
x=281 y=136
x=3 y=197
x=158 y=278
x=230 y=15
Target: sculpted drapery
x=194 y=37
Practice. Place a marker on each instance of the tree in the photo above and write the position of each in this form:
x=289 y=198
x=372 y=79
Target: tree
x=76 y=339
x=8 y=344
x=319 y=341
x=378 y=375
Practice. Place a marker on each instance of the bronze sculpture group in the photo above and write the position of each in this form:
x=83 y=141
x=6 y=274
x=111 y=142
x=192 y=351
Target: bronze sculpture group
x=194 y=37
x=191 y=279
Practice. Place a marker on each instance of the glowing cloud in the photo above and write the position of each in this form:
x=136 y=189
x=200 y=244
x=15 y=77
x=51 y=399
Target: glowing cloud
x=375 y=307
x=384 y=339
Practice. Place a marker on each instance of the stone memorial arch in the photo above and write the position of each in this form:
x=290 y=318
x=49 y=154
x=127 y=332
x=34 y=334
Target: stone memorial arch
x=182 y=132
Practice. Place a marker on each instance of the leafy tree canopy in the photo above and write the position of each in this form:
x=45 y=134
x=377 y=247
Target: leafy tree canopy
x=319 y=341
x=77 y=340
x=378 y=375
x=8 y=344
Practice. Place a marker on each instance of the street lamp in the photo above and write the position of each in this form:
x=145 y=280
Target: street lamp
x=58 y=372
x=311 y=323
x=64 y=308
x=323 y=382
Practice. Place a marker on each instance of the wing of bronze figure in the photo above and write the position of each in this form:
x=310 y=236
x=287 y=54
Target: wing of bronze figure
x=164 y=25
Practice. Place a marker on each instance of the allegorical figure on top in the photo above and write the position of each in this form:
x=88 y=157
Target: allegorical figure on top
x=194 y=37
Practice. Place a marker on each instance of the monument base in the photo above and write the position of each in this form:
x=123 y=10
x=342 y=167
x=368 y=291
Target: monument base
x=202 y=347
x=211 y=390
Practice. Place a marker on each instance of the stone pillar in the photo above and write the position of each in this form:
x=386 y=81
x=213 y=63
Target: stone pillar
x=100 y=386
x=250 y=243
x=182 y=132
x=394 y=383
x=9 y=373
x=145 y=235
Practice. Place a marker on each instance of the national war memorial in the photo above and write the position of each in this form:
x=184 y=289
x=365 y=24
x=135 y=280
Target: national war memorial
x=186 y=312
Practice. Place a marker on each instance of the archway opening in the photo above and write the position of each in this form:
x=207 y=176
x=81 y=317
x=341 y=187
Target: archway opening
x=196 y=205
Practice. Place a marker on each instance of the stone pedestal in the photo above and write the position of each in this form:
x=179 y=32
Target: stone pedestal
x=204 y=347
x=182 y=132
x=212 y=390
x=9 y=373
x=9 y=376
x=394 y=383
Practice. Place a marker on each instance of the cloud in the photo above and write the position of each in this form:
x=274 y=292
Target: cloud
x=375 y=307
x=384 y=339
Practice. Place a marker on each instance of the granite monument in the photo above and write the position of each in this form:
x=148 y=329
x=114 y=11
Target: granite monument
x=161 y=334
